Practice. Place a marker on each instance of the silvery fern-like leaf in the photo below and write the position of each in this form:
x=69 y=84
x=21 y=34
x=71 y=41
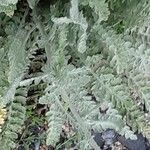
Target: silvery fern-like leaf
x=118 y=93
x=141 y=33
x=77 y=18
x=139 y=67
x=55 y=122
x=117 y=55
x=84 y=144
x=15 y=120
x=111 y=120
x=3 y=68
x=140 y=54
x=62 y=38
x=83 y=37
x=8 y=6
x=18 y=63
x=11 y=90
x=74 y=10
x=8 y=2
x=82 y=43
x=83 y=26
x=62 y=20
x=142 y=83
x=9 y=10
x=99 y=6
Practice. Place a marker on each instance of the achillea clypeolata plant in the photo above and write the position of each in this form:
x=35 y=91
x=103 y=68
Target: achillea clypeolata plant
x=88 y=54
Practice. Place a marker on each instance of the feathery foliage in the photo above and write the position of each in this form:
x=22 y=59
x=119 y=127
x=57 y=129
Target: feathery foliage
x=93 y=55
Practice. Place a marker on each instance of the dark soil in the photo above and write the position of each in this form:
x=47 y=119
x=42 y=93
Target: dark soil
x=109 y=137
